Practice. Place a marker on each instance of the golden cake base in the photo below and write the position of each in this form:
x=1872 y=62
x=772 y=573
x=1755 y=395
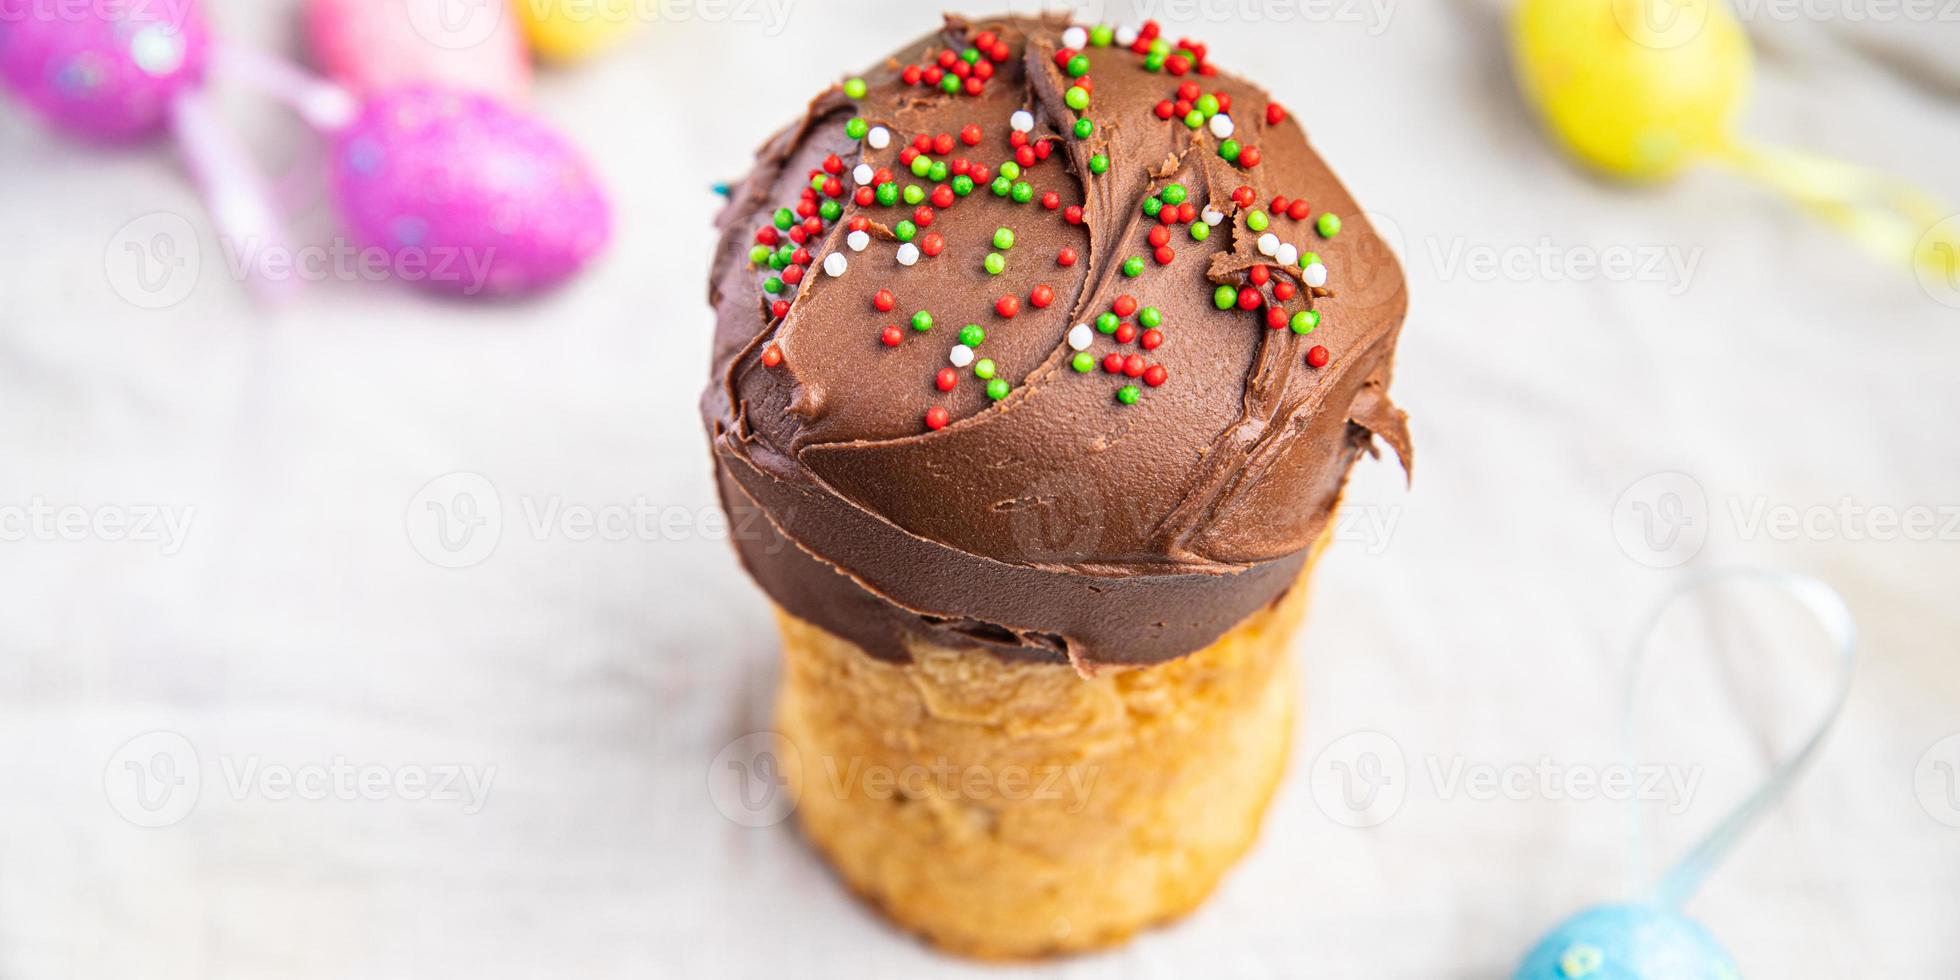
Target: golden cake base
x=1008 y=811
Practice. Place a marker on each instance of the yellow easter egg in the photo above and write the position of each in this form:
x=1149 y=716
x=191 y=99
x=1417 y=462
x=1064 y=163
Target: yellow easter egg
x=570 y=30
x=1635 y=88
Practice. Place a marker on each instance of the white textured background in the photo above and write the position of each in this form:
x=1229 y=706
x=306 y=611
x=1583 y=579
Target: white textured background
x=297 y=624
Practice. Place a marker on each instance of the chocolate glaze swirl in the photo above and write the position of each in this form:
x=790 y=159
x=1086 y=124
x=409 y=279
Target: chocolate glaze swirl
x=1057 y=523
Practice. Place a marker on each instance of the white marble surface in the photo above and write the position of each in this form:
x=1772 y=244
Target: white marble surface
x=296 y=623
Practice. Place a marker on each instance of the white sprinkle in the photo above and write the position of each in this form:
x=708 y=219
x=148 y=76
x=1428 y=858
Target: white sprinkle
x=1126 y=35
x=1221 y=126
x=863 y=174
x=1269 y=244
x=835 y=263
x=857 y=240
x=879 y=137
x=1022 y=121
x=1075 y=37
x=1316 y=275
x=1289 y=253
x=961 y=356
x=1080 y=336
x=1213 y=216
x=908 y=254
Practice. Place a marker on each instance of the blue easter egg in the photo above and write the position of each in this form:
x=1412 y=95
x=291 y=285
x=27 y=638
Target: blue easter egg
x=1628 y=942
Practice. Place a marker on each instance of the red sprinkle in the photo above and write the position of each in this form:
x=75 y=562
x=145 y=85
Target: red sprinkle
x=1261 y=274
x=922 y=216
x=1189 y=91
x=1276 y=317
x=1040 y=297
x=793 y=275
x=1160 y=236
x=1249 y=298
x=932 y=244
x=767 y=236
x=833 y=164
x=1071 y=214
x=1024 y=156
x=772 y=356
x=936 y=417
x=942 y=144
x=1166 y=109
x=1125 y=305
x=1244 y=196
x=1067 y=256
x=1126 y=332
x=1051 y=200
x=946 y=379
x=942 y=196
x=1279 y=204
x=1113 y=364
x=911 y=74
x=1164 y=255
x=1318 y=357
x=1133 y=365
x=892 y=336
x=1155 y=375
x=1283 y=290
x=970 y=135
x=1274 y=114
x=866 y=197
x=1299 y=210
x=1151 y=339
x=1007 y=306
x=1249 y=157
x=883 y=300
x=779 y=309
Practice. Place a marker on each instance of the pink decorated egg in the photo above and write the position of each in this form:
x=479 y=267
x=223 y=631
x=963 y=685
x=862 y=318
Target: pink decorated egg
x=374 y=46
x=466 y=196
x=105 y=71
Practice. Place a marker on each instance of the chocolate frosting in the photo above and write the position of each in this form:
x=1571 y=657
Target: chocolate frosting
x=1057 y=522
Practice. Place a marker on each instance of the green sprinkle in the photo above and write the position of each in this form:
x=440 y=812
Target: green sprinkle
x=1208 y=104
x=1194 y=119
x=830 y=210
x=1305 y=320
x=1151 y=317
x=784 y=253
x=970 y=55
x=1078 y=66
x=995 y=263
x=1010 y=170
x=778 y=261
x=1152 y=206
x=921 y=165
x=972 y=336
x=922 y=321
x=962 y=185
x=888 y=194
x=1128 y=394
x=1101 y=35
x=984 y=368
x=816 y=183
x=1257 y=220
x=1328 y=224
x=1172 y=194
x=1084 y=362
x=1133 y=266
x=1077 y=97
x=1224 y=297
x=1160 y=46
x=950 y=84
x=914 y=194
x=1308 y=258
x=1229 y=149
x=1001 y=186
x=855 y=88
x=938 y=172
x=785 y=218
x=998 y=389
x=1023 y=191
x=1099 y=164
x=774 y=286
x=1107 y=322
x=856 y=129
x=1200 y=231
x=1003 y=238
x=759 y=254
x=1084 y=128
x=1153 y=62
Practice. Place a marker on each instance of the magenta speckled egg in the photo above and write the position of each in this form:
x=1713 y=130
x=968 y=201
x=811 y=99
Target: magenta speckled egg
x=374 y=46
x=466 y=196
x=105 y=71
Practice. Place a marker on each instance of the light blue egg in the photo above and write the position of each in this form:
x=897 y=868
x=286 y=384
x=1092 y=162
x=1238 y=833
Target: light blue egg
x=1628 y=942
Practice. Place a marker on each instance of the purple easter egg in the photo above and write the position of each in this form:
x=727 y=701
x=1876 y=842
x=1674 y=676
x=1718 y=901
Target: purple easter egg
x=466 y=196
x=103 y=70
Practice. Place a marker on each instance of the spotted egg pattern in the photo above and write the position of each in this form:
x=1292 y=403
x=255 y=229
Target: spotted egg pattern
x=104 y=71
